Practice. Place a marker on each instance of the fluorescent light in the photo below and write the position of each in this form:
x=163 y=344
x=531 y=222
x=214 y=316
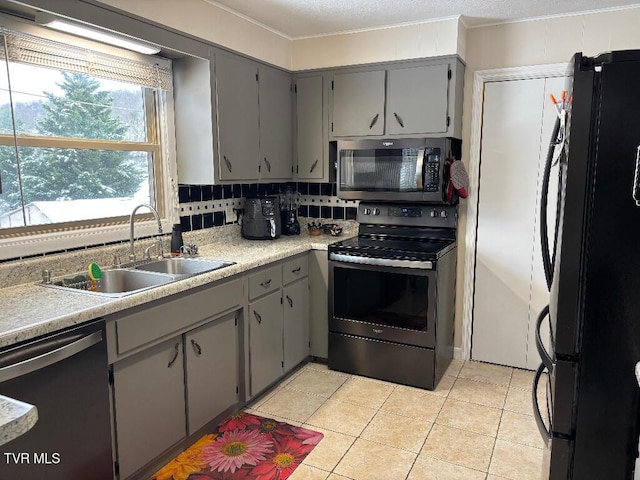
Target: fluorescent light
x=95 y=34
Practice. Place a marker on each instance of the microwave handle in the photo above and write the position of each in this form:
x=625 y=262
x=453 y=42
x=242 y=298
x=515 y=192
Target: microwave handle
x=420 y=170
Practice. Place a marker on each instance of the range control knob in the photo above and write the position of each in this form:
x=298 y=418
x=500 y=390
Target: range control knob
x=444 y=214
x=434 y=213
x=367 y=211
x=376 y=211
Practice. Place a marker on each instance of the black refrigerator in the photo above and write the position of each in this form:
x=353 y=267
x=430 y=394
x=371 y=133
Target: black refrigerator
x=591 y=417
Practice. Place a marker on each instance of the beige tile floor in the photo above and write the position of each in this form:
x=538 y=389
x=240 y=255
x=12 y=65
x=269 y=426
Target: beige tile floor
x=476 y=425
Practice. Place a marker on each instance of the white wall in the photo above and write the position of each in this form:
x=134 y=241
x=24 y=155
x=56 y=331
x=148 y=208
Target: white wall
x=214 y=24
x=428 y=39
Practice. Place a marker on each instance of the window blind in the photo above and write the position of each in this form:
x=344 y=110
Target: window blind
x=21 y=47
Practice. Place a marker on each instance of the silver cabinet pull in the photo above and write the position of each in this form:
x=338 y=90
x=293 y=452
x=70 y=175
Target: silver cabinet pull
x=374 y=121
x=266 y=283
x=196 y=347
x=226 y=160
x=636 y=179
x=290 y=301
x=54 y=356
x=313 y=166
x=258 y=317
x=267 y=163
x=398 y=119
x=176 y=352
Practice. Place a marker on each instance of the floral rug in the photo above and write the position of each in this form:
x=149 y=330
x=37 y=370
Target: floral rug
x=243 y=447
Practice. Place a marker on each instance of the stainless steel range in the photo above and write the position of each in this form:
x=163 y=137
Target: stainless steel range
x=392 y=294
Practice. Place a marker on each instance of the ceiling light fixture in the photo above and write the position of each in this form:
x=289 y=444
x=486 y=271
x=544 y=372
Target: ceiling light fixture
x=93 y=33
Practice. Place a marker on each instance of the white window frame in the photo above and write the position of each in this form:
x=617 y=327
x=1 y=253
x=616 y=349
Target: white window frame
x=23 y=245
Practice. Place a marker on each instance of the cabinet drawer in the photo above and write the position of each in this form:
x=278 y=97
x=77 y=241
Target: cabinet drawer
x=265 y=281
x=295 y=269
x=155 y=322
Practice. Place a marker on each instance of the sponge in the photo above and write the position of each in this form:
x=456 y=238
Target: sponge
x=95 y=273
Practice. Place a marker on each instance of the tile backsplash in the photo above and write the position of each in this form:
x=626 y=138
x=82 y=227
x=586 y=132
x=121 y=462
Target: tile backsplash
x=205 y=206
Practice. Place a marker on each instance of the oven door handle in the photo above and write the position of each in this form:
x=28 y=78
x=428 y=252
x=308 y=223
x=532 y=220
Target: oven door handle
x=544 y=431
x=383 y=262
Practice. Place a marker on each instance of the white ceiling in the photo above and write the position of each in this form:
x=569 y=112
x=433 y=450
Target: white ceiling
x=305 y=18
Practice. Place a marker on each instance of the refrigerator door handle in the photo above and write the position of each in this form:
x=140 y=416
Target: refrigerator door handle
x=544 y=431
x=547 y=361
x=636 y=179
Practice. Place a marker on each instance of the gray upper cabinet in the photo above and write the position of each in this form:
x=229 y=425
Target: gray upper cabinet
x=149 y=397
x=211 y=356
x=358 y=104
x=309 y=128
x=276 y=124
x=237 y=99
x=417 y=100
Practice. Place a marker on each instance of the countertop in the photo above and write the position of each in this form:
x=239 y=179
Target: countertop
x=30 y=310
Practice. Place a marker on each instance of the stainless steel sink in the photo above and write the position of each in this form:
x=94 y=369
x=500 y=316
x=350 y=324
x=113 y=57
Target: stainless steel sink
x=119 y=282
x=183 y=266
x=114 y=283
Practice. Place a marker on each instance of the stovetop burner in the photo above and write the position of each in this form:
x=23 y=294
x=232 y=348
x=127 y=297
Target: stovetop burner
x=404 y=249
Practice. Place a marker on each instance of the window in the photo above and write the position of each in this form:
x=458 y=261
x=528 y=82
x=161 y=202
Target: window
x=81 y=135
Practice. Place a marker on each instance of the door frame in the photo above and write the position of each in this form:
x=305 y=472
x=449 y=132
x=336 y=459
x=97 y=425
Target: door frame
x=481 y=77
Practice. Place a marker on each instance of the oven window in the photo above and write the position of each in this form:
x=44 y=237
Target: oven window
x=381 y=298
x=381 y=169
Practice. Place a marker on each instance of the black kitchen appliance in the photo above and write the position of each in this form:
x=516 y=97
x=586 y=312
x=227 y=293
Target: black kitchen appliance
x=261 y=218
x=593 y=270
x=289 y=203
x=65 y=375
x=397 y=170
x=391 y=294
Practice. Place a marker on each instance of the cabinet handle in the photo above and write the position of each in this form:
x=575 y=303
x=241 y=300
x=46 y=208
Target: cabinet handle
x=268 y=164
x=296 y=270
x=313 y=166
x=373 y=122
x=258 y=317
x=226 y=160
x=290 y=301
x=196 y=347
x=398 y=119
x=175 y=354
x=266 y=283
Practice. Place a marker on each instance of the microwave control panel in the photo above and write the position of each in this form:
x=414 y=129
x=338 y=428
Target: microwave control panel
x=432 y=170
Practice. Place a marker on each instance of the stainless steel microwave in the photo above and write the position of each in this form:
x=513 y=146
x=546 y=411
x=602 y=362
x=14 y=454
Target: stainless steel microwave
x=402 y=170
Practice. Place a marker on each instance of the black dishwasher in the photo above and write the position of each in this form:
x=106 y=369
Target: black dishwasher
x=65 y=376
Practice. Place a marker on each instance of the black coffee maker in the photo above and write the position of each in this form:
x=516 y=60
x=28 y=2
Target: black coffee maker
x=289 y=203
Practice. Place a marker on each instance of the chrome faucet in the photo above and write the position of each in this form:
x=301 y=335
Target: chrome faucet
x=132 y=253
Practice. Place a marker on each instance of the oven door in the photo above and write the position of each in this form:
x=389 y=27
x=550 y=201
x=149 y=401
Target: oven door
x=393 y=304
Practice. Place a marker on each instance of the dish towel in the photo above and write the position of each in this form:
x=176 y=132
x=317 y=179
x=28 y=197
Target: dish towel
x=460 y=178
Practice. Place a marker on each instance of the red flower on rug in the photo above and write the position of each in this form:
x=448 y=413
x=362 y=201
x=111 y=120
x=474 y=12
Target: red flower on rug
x=243 y=447
x=289 y=453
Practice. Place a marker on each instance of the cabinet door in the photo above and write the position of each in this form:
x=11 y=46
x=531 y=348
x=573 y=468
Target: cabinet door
x=417 y=100
x=358 y=104
x=296 y=322
x=149 y=404
x=319 y=303
x=211 y=356
x=310 y=146
x=237 y=97
x=276 y=125
x=265 y=341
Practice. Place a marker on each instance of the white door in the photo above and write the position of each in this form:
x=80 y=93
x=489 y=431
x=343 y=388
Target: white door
x=509 y=281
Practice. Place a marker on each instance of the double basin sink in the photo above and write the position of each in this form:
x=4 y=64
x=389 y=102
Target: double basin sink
x=137 y=277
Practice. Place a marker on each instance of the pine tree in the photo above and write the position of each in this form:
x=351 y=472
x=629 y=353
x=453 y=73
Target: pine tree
x=82 y=111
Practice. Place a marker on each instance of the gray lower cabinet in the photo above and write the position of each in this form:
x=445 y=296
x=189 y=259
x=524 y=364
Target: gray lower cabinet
x=295 y=322
x=211 y=366
x=319 y=304
x=265 y=341
x=149 y=404
x=358 y=104
x=417 y=100
x=276 y=125
x=237 y=117
x=309 y=128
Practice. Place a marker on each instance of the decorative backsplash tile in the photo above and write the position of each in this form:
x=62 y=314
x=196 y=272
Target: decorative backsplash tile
x=198 y=202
